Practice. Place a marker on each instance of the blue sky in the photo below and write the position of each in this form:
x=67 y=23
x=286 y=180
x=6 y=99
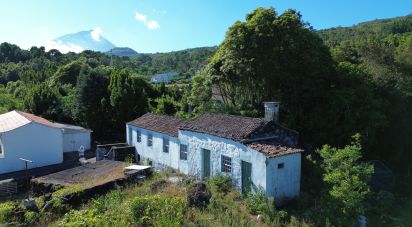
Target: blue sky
x=167 y=25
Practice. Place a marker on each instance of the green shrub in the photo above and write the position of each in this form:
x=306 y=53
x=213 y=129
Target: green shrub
x=6 y=212
x=86 y=217
x=30 y=217
x=255 y=200
x=220 y=183
x=269 y=213
x=158 y=211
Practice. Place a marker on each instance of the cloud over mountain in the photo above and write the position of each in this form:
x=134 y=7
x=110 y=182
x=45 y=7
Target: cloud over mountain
x=84 y=40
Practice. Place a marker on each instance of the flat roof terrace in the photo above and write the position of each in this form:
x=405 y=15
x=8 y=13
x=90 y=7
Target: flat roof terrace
x=88 y=175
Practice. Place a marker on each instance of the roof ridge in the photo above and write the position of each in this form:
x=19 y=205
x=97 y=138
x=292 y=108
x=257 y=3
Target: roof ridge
x=238 y=116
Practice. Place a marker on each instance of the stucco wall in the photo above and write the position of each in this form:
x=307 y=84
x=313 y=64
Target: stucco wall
x=73 y=141
x=221 y=146
x=41 y=144
x=285 y=182
x=155 y=153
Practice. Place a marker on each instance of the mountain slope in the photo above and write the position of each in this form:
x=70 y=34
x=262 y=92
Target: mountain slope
x=123 y=52
x=85 y=40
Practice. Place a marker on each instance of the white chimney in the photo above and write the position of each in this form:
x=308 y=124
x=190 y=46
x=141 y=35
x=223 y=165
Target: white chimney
x=272 y=111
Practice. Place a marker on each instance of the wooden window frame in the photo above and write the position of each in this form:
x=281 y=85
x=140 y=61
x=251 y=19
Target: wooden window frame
x=183 y=154
x=166 y=145
x=138 y=136
x=226 y=164
x=149 y=140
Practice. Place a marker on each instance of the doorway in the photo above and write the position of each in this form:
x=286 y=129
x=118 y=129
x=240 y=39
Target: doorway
x=246 y=176
x=206 y=163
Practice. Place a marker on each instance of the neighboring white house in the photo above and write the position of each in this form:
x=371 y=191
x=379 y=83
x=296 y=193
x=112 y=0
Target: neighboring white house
x=24 y=135
x=163 y=78
x=75 y=137
x=253 y=151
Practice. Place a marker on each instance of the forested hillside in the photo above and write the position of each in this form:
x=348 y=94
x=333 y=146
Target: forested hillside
x=378 y=29
x=84 y=89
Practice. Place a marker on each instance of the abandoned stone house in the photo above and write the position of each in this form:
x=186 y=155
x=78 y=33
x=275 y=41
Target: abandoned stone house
x=253 y=151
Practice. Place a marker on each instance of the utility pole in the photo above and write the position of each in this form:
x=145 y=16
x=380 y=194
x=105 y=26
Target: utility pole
x=26 y=161
x=111 y=57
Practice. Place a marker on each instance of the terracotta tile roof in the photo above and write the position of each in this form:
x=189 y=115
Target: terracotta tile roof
x=159 y=123
x=227 y=126
x=273 y=149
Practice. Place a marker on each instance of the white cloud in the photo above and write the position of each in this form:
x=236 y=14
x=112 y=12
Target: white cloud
x=150 y=24
x=62 y=47
x=96 y=34
x=141 y=17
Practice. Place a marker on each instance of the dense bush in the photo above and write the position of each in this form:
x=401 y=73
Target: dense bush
x=75 y=218
x=255 y=200
x=158 y=211
x=222 y=183
x=6 y=212
x=199 y=195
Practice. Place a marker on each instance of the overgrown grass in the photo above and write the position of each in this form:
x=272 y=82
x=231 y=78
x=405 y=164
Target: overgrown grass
x=153 y=202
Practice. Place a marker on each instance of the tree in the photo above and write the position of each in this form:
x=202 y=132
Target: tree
x=276 y=57
x=127 y=96
x=347 y=181
x=200 y=97
x=42 y=100
x=166 y=105
x=90 y=107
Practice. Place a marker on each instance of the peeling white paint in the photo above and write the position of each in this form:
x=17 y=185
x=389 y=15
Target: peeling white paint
x=278 y=183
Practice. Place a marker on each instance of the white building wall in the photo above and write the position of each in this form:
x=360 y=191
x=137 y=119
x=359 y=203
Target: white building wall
x=220 y=146
x=155 y=152
x=36 y=142
x=278 y=183
x=285 y=182
x=73 y=141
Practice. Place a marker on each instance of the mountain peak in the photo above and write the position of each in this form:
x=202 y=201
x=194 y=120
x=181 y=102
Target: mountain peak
x=83 y=40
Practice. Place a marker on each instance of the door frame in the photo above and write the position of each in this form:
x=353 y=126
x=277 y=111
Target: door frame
x=243 y=180
x=203 y=166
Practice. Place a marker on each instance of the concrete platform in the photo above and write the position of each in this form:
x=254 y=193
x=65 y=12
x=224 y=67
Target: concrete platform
x=87 y=176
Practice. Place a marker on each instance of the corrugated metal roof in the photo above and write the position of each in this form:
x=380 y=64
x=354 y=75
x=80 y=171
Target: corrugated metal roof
x=12 y=120
x=16 y=119
x=71 y=128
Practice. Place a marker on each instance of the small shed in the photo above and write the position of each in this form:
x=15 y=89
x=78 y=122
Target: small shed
x=75 y=137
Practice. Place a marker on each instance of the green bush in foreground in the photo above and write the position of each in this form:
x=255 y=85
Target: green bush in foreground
x=157 y=211
x=221 y=183
x=6 y=212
